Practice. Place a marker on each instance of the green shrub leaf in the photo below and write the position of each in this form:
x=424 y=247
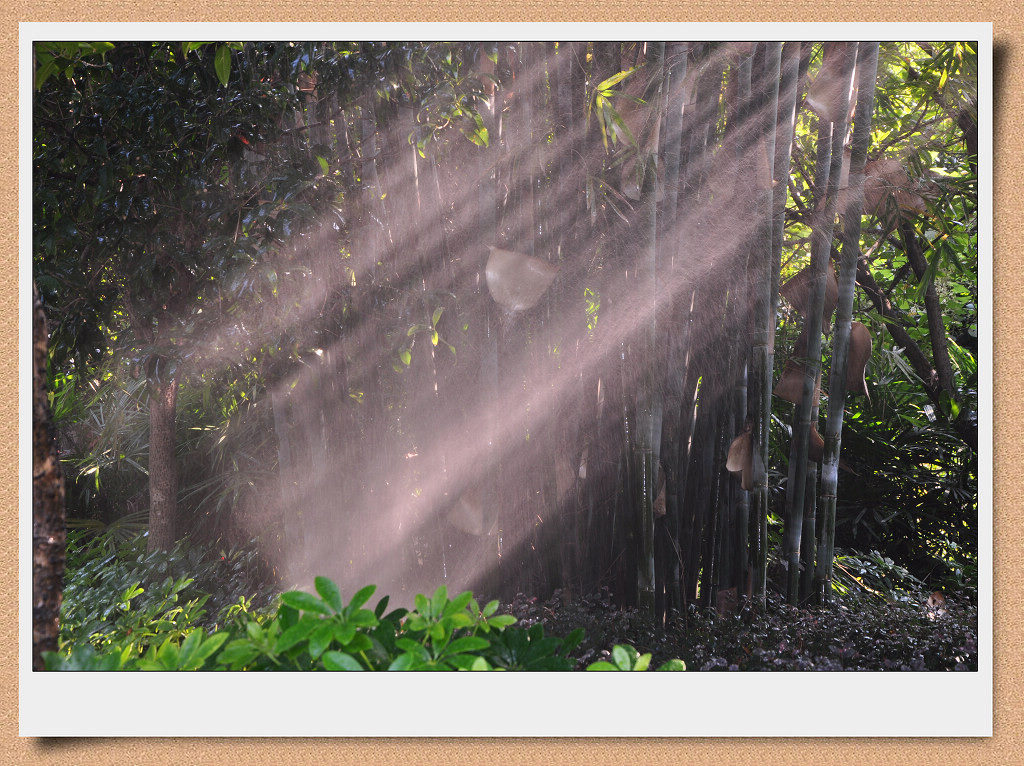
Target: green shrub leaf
x=305 y=601
x=329 y=593
x=297 y=633
x=340 y=661
x=361 y=597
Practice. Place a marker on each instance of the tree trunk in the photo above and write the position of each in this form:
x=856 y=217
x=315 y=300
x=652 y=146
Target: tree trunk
x=47 y=503
x=163 y=466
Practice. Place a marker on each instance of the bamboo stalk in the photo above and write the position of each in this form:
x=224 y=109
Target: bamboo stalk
x=765 y=92
x=831 y=137
x=808 y=542
x=779 y=137
x=672 y=138
x=649 y=406
x=867 y=63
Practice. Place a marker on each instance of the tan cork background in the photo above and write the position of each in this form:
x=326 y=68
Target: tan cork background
x=1005 y=747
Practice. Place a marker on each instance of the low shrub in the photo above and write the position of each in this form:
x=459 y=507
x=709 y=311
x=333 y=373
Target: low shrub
x=321 y=632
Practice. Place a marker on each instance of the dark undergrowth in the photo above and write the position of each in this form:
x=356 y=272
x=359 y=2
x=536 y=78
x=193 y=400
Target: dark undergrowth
x=857 y=632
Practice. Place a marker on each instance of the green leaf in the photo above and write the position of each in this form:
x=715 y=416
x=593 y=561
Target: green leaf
x=439 y=599
x=44 y=72
x=359 y=643
x=621 y=657
x=188 y=647
x=501 y=621
x=403 y=662
x=329 y=593
x=601 y=665
x=296 y=633
x=167 y=654
x=467 y=644
x=572 y=640
x=408 y=645
x=406 y=357
x=361 y=597
x=321 y=639
x=642 y=662
x=479 y=664
x=436 y=316
x=458 y=603
x=323 y=164
x=238 y=653
x=340 y=661
x=304 y=601
x=222 y=64
x=207 y=649
x=615 y=79
x=363 y=618
x=623 y=129
x=673 y=665
x=344 y=633
x=255 y=631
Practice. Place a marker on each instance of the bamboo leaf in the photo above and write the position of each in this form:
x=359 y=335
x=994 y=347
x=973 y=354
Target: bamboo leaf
x=615 y=79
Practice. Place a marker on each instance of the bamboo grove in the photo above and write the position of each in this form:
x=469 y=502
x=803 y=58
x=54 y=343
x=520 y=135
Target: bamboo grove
x=512 y=316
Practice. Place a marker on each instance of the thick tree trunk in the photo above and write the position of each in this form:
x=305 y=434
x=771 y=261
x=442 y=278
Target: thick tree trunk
x=47 y=504
x=163 y=466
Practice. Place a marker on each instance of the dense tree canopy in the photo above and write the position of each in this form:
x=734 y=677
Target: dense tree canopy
x=510 y=315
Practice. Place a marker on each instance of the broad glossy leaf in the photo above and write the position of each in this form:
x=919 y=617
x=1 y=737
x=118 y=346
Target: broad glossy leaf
x=222 y=64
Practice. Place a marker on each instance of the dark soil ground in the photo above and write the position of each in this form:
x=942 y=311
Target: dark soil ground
x=858 y=632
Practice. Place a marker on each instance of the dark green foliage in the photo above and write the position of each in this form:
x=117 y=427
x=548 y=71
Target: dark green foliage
x=916 y=501
x=120 y=595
